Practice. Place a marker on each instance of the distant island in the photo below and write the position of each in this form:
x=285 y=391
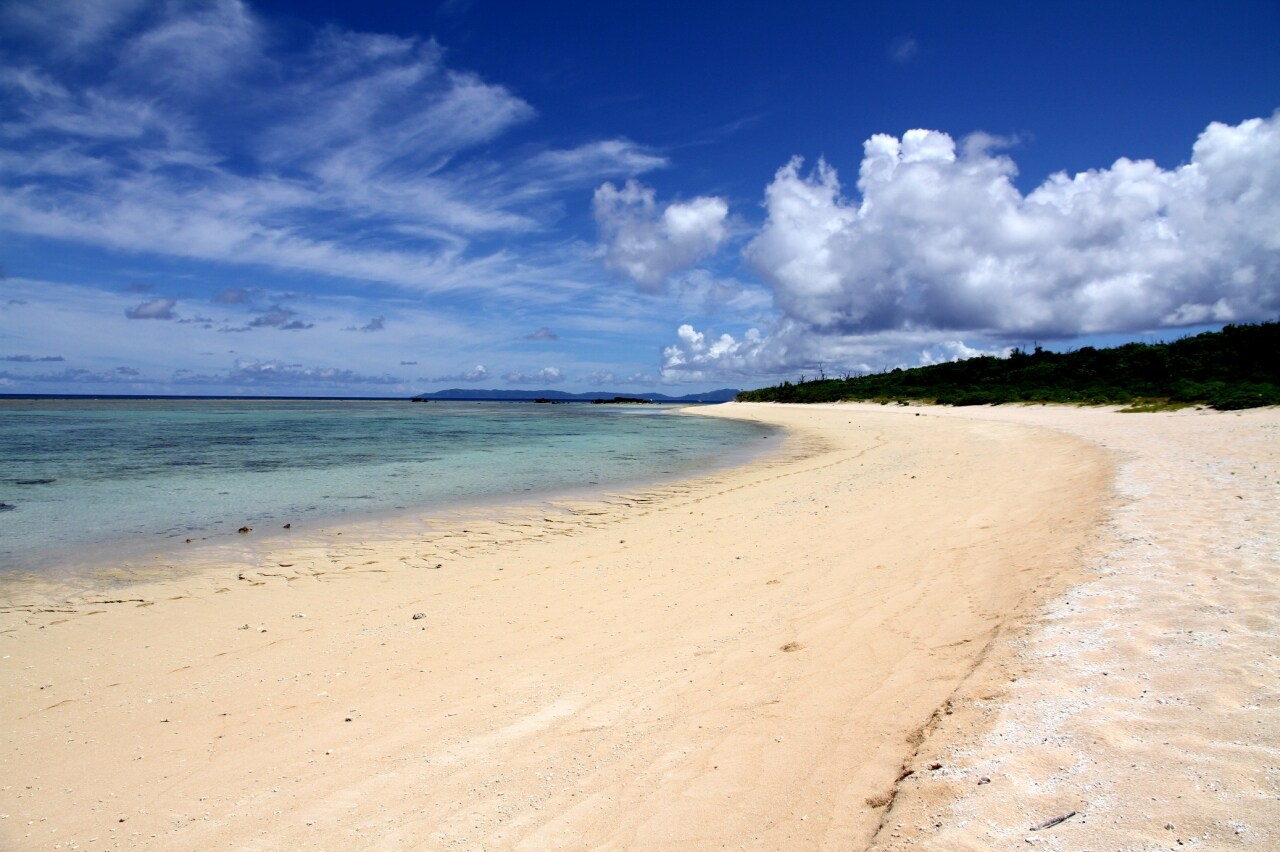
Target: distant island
x=1238 y=367
x=617 y=400
x=722 y=395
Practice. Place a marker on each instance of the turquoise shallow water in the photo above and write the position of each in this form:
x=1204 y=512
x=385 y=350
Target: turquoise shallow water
x=97 y=476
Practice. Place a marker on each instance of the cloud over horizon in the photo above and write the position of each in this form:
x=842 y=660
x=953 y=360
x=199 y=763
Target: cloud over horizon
x=276 y=372
x=32 y=359
x=382 y=190
x=478 y=373
x=940 y=240
x=547 y=375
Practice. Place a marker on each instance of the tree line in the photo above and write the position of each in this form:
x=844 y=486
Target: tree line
x=1237 y=367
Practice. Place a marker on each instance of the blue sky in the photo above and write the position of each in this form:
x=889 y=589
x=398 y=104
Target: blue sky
x=340 y=198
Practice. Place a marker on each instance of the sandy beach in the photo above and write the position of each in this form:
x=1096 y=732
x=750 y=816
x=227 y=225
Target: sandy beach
x=905 y=627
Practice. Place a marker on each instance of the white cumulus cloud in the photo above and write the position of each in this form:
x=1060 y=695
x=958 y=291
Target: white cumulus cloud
x=478 y=373
x=160 y=309
x=789 y=349
x=696 y=355
x=646 y=244
x=549 y=375
x=945 y=240
x=956 y=350
x=940 y=241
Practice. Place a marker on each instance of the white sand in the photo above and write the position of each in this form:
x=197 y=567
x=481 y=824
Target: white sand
x=749 y=659
x=1147 y=699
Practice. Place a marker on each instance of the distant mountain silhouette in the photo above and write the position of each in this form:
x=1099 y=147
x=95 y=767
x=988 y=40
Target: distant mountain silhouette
x=722 y=395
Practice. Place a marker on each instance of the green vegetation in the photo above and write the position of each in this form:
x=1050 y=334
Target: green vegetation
x=1238 y=367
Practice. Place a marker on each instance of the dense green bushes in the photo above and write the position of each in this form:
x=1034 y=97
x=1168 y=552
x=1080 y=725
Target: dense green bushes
x=1238 y=367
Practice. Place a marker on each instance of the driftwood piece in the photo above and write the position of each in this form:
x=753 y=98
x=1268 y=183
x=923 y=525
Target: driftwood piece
x=1050 y=823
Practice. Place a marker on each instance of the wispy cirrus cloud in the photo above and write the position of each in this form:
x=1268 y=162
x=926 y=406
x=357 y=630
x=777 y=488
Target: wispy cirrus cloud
x=903 y=49
x=347 y=154
x=68 y=24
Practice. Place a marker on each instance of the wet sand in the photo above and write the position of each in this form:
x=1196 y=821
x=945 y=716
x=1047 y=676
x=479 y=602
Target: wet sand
x=754 y=658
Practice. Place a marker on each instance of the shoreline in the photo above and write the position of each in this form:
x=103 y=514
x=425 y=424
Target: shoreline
x=142 y=558
x=1142 y=702
x=754 y=656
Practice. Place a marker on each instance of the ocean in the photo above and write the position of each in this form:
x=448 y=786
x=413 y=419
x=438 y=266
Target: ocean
x=85 y=482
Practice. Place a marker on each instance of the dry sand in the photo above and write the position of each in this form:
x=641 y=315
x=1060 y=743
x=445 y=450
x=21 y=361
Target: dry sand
x=1146 y=700
x=1076 y=604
